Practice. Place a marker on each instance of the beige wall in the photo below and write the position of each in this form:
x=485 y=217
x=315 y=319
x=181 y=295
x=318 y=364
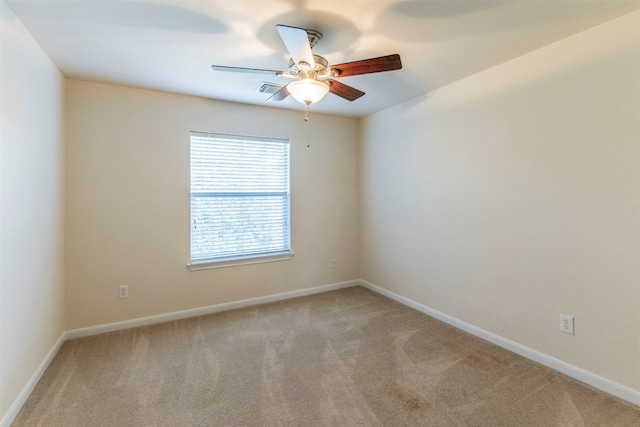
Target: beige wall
x=128 y=202
x=504 y=200
x=31 y=207
x=512 y=196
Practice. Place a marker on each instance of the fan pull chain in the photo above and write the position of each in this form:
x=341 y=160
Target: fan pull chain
x=306 y=111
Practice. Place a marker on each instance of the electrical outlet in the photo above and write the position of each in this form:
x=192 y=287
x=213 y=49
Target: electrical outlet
x=566 y=324
x=334 y=264
x=123 y=291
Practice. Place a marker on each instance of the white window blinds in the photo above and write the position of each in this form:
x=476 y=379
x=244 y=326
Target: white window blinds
x=239 y=197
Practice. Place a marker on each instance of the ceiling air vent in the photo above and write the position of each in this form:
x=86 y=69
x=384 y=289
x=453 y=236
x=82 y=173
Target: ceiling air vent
x=266 y=87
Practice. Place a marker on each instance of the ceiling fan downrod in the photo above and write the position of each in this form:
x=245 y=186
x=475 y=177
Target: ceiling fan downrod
x=314 y=37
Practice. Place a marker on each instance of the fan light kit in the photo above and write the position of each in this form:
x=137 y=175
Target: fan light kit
x=312 y=73
x=308 y=91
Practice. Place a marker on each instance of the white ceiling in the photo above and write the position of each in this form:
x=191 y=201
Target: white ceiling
x=170 y=45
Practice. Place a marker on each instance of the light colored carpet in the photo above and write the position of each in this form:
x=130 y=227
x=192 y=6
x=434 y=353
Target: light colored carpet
x=343 y=358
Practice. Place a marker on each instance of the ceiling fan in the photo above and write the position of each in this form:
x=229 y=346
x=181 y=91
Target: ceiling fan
x=313 y=75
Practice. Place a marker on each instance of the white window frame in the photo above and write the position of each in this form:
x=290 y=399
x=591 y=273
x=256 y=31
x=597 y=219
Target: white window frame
x=214 y=261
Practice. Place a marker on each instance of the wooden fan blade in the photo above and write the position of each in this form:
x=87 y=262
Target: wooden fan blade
x=296 y=41
x=368 y=66
x=246 y=70
x=279 y=95
x=344 y=91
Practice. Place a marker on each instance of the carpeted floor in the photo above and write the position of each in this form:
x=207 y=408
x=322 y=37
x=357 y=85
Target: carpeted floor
x=343 y=358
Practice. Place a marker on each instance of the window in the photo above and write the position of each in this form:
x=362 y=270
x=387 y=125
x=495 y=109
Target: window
x=239 y=200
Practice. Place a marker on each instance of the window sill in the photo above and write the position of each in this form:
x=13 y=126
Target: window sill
x=233 y=262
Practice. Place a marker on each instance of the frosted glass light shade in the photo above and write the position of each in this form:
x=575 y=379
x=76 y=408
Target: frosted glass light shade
x=308 y=90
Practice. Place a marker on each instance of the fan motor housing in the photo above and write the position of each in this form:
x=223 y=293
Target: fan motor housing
x=319 y=69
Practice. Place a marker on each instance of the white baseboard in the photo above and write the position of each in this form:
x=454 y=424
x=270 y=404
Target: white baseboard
x=13 y=411
x=167 y=317
x=608 y=386
x=596 y=381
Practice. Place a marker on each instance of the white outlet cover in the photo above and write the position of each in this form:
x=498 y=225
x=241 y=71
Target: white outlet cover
x=123 y=291
x=566 y=324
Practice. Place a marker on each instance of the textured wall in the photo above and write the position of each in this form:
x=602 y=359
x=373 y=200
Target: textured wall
x=512 y=196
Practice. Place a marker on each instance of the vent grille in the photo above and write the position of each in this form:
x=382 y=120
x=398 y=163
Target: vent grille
x=271 y=88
